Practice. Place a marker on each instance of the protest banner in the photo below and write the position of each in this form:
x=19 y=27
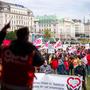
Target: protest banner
x=51 y=49
x=56 y=82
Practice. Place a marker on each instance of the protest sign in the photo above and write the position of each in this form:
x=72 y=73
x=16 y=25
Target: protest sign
x=51 y=49
x=57 y=82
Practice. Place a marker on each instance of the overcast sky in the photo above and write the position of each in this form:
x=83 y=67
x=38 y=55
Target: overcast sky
x=62 y=8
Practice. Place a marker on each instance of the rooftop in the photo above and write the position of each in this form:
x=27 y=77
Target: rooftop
x=5 y=3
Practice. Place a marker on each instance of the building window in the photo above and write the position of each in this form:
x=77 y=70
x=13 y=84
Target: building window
x=6 y=15
x=14 y=22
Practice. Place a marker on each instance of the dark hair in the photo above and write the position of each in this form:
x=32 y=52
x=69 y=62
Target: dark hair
x=22 y=33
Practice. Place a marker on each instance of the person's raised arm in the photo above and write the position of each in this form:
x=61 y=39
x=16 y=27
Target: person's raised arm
x=3 y=32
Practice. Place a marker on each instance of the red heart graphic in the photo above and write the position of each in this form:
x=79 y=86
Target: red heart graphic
x=73 y=79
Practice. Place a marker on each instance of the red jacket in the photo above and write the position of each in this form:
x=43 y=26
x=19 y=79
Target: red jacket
x=17 y=70
x=54 y=64
x=18 y=62
x=66 y=64
x=88 y=59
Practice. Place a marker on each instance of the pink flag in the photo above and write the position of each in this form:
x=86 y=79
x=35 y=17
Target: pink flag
x=47 y=43
x=58 y=44
x=38 y=42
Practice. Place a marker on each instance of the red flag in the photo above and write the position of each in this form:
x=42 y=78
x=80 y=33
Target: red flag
x=6 y=42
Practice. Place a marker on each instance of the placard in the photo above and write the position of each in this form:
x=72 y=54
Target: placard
x=57 y=82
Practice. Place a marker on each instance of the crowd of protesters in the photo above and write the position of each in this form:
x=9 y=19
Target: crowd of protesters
x=63 y=62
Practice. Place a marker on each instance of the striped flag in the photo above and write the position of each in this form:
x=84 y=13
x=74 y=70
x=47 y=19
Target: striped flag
x=58 y=44
x=38 y=42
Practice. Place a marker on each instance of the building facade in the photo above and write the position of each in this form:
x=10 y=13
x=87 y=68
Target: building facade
x=18 y=16
x=63 y=28
x=79 y=27
x=87 y=28
x=66 y=28
x=60 y=28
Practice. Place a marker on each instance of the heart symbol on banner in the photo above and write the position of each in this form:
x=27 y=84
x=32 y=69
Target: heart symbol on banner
x=73 y=82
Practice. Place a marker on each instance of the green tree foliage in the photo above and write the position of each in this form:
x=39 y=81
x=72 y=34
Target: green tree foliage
x=11 y=35
x=47 y=34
